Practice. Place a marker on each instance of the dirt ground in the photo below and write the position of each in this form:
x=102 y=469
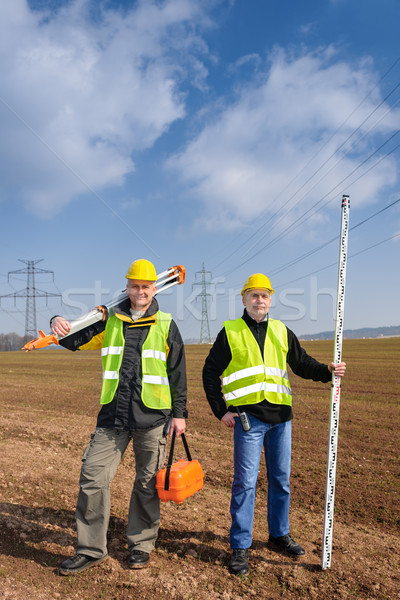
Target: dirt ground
x=48 y=407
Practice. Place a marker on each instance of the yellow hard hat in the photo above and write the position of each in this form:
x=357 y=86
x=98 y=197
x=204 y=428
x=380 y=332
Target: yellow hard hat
x=142 y=269
x=258 y=280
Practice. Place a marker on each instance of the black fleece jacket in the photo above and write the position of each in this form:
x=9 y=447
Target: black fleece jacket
x=220 y=355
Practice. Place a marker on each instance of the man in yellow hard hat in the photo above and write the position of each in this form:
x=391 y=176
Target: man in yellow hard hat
x=251 y=354
x=143 y=395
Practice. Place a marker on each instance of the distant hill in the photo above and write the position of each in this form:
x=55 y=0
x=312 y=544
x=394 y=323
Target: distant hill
x=352 y=334
x=364 y=332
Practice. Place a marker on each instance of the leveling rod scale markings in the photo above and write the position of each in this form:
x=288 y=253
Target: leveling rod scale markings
x=335 y=392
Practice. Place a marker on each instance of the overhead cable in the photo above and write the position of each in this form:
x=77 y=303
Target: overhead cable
x=396 y=235
x=315 y=155
x=327 y=161
x=75 y=174
x=298 y=222
x=318 y=248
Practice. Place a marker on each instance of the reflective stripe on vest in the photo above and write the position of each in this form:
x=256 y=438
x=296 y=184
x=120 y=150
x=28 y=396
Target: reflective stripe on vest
x=155 y=379
x=110 y=374
x=154 y=354
x=112 y=350
x=248 y=379
x=155 y=390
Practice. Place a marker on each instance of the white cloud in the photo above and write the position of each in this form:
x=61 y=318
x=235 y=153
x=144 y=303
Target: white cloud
x=245 y=157
x=90 y=92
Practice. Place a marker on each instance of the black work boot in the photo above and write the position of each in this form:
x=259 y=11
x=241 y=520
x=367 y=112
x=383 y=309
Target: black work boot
x=78 y=563
x=239 y=564
x=138 y=559
x=287 y=543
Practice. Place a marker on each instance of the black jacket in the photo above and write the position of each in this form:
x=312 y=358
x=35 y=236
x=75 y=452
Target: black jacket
x=220 y=356
x=126 y=410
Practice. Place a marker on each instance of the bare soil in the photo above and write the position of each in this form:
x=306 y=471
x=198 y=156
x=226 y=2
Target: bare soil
x=48 y=408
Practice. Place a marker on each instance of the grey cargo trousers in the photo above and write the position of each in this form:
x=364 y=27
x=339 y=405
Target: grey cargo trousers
x=99 y=464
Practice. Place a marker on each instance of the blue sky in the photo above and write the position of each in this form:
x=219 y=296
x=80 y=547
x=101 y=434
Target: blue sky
x=222 y=132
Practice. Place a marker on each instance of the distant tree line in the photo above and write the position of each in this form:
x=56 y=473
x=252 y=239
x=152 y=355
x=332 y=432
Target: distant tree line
x=12 y=341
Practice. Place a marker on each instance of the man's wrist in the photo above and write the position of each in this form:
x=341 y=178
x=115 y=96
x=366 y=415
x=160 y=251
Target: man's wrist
x=181 y=415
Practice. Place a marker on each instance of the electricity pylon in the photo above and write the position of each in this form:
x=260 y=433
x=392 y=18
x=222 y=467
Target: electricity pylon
x=205 y=337
x=30 y=293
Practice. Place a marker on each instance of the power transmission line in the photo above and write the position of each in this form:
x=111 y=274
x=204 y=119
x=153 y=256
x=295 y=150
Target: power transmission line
x=334 y=264
x=318 y=248
x=315 y=156
x=74 y=172
x=30 y=293
x=205 y=337
x=329 y=171
x=294 y=225
x=322 y=246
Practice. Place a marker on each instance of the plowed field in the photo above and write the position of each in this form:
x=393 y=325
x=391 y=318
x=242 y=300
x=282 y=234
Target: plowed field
x=48 y=407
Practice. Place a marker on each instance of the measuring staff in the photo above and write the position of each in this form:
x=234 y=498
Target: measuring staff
x=335 y=392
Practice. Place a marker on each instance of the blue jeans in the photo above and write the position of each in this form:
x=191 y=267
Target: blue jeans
x=276 y=440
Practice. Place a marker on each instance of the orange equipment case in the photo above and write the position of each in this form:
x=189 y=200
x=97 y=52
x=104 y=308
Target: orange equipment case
x=181 y=479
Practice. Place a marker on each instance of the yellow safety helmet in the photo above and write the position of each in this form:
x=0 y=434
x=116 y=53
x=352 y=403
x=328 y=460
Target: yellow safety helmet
x=142 y=269
x=257 y=281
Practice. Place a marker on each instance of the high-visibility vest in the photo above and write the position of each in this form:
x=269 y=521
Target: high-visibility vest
x=155 y=392
x=248 y=379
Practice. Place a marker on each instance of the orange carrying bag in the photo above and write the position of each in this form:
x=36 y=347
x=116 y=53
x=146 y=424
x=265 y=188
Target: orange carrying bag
x=181 y=479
